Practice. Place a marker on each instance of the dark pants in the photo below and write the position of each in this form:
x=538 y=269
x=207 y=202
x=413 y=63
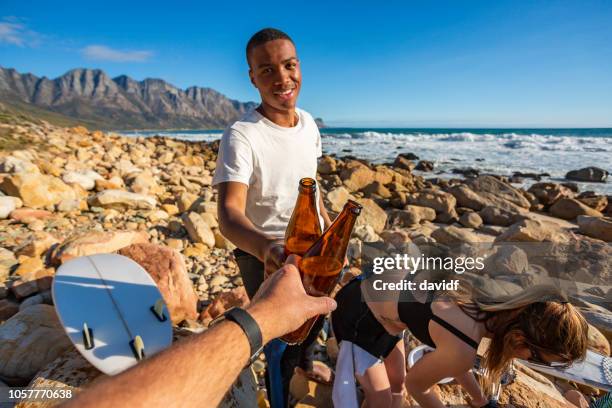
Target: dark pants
x=252 y=273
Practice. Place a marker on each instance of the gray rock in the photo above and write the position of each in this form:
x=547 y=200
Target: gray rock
x=588 y=174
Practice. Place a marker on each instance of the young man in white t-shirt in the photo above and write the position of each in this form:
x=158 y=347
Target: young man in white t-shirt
x=261 y=159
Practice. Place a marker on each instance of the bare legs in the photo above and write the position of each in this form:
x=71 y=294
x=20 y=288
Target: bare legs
x=470 y=384
x=383 y=384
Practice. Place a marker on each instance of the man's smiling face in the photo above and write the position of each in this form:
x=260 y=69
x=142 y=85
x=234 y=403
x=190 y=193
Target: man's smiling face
x=275 y=72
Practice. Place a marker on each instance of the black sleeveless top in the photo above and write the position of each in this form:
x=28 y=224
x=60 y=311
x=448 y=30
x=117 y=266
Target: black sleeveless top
x=416 y=316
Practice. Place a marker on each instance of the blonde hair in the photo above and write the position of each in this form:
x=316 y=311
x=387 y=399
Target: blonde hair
x=537 y=317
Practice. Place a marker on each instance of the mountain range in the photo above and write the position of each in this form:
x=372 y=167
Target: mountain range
x=92 y=98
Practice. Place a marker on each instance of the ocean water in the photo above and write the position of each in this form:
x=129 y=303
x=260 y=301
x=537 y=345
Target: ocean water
x=497 y=151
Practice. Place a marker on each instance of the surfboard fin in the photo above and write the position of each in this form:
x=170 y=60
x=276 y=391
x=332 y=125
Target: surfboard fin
x=158 y=310
x=88 y=338
x=138 y=348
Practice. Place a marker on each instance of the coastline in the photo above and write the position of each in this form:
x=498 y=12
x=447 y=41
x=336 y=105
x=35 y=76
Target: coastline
x=71 y=192
x=523 y=155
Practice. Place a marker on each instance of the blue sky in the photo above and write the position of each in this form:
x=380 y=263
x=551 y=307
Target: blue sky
x=387 y=63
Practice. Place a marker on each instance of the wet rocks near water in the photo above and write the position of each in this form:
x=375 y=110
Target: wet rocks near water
x=588 y=174
x=424 y=165
x=569 y=209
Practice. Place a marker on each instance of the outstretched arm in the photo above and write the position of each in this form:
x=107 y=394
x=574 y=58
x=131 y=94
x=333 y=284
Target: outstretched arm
x=199 y=370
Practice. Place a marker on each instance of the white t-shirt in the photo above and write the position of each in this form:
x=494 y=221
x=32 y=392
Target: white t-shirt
x=271 y=160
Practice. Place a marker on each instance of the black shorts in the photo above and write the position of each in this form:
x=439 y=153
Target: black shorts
x=251 y=271
x=353 y=321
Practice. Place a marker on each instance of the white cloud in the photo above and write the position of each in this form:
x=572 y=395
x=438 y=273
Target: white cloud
x=104 y=53
x=14 y=32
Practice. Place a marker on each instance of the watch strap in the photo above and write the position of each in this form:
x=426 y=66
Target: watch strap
x=250 y=327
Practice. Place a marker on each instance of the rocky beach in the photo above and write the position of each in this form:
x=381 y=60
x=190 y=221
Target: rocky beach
x=69 y=192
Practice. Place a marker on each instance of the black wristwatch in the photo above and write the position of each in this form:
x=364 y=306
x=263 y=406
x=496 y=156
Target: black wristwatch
x=248 y=325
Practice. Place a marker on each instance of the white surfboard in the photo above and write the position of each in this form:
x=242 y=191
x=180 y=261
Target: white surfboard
x=111 y=310
x=595 y=371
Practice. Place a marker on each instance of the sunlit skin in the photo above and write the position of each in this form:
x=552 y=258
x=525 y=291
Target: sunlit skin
x=274 y=70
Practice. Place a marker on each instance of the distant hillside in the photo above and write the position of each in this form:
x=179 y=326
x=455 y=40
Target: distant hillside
x=92 y=98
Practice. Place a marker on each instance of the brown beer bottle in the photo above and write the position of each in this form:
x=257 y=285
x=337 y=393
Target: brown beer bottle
x=322 y=263
x=304 y=227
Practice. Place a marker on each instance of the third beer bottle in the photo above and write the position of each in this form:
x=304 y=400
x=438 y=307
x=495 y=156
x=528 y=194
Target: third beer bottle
x=322 y=263
x=304 y=227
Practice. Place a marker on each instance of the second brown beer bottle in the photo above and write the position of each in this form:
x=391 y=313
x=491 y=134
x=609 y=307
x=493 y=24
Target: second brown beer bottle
x=304 y=227
x=322 y=263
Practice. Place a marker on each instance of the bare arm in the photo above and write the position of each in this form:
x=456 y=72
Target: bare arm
x=233 y=222
x=198 y=371
x=235 y=226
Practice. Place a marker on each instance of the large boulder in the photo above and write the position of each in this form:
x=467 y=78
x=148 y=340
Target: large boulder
x=326 y=165
x=493 y=189
x=451 y=235
x=29 y=341
x=588 y=174
x=198 y=229
x=439 y=200
x=528 y=230
x=568 y=209
x=337 y=197
x=37 y=190
x=410 y=215
x=122 y=200
x=596 y=227
x=376 y=189
x=95 y=242
x=470 y=220
x=493 y=215
x=548 y=193
x=167 y=268
x=357 y=175
x=403 y=162
x=595 y=201
x=507 y=260
x=467 y=198
x=424 y=165
x=372 y=215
